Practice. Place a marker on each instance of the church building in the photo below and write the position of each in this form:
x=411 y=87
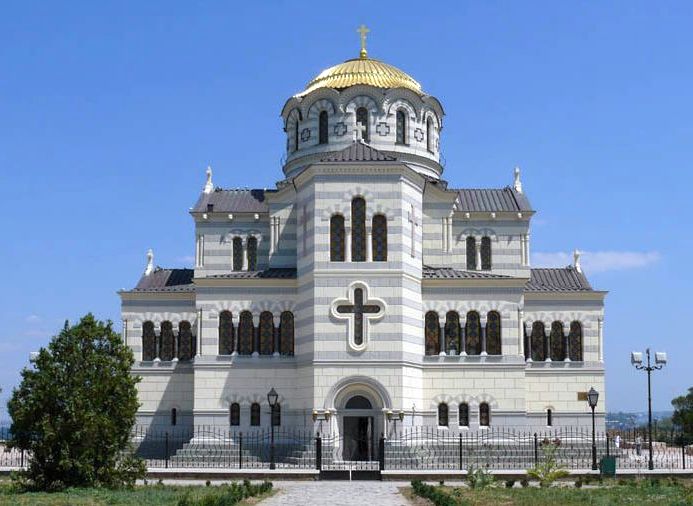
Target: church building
x=365 y=287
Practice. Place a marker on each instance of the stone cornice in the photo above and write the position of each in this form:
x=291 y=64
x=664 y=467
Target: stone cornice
x=595 y=295
x=153 y=295
x=475 y=282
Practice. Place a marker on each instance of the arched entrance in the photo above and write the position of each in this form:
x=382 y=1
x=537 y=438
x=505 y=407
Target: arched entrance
x=358 y=424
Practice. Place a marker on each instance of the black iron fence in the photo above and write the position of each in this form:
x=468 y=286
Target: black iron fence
x=410 y=448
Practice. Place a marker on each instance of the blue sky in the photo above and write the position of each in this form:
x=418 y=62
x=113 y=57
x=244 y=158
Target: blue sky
x=110 y=112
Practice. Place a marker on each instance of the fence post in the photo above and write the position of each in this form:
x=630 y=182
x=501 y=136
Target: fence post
x=536 y=449
x=166 y=446
x=381 y=452
x=22 y=463
x=683 y=452
x=460 y=450
x=318 y=452
x=240 y=451
x=607 y=445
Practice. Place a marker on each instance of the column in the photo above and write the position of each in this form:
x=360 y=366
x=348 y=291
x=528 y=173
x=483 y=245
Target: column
x=444 y=234
x=449 y=233
x=530 y=324
x=232 y=252
x=443 y=339
x=527 y=263
x=198 y=337
x=566 y=341
x=600 y=339
x=176 y=340
x=520 y=332
x=482 y=321
x=277 y=324
x=245 y=253
x=347 y=244
x=547 y=341
x=463 y=340
x=272 y=235
x=256 y=336
x=369 y=243
x=235 y=319
x=157 y=341
x=477 y=242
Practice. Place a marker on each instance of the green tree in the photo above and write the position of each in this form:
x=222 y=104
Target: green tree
x=683 y=414
x=75 y=408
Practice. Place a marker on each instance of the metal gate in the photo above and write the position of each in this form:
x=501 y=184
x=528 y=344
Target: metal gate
x=355 y=456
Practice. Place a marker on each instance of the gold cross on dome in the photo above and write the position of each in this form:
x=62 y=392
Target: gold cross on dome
x=363 y=31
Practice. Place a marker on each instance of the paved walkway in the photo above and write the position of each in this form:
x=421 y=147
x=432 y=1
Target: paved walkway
x=337 y=493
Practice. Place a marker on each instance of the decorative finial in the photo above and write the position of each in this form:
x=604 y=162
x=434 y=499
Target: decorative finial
x=209 y=186
x=576 y=260
x=150 y=263
x=359 y=129
x=518 y=184
x=363 y=31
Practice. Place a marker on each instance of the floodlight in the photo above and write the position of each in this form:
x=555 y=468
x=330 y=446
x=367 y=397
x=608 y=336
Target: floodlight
x=660 y=358
x=636 y=358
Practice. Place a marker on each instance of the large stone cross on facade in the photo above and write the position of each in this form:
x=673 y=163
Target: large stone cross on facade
x=357 y=310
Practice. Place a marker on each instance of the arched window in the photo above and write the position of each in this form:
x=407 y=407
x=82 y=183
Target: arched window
x=174 y=417
x=167 y=338
x=471 y=253
x=432 y=333
x=277 y=415
x=225 y=333
x=252 y=253
x=401 y=127
x=549 y=418
x=296 y=135
x=322 y=128
x=537 y=342
x=148 y=341
x=429 y=134
x=379 y=238
x=266 y=333
x=286 y=333
x=362 y=117
x=237 y=254
x=575 y=342
x=557 y=342
x=246 y=333
x=337 y=238
x=493 y=333
x=464 y=415
x=452 y=331
x=255 y=414
x=442 y=415
x=358 y=230
x=472 y=332
x=185 y=341
x=484 y=415
x=486 y=253
x=234 y=415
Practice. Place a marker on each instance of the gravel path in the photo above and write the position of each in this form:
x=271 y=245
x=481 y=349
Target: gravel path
x=337 y=493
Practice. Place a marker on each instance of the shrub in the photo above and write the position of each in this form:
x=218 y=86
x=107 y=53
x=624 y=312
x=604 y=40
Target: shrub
x=479 y=477
x=434 y=494
x=578 y=483
x=509 y=483
x=524 y=482
x=227 y=495
x=548 y=470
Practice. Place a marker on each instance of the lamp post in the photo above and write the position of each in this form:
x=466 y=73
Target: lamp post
x=592 y=398
x=272 y=398
x=660 y=361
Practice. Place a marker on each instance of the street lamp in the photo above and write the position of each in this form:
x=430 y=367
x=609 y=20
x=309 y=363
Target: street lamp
x=272 y=398
x=660 y=361
x=592 y=398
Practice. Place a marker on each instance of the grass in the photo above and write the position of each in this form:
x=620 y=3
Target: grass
x=639 y=492
x=154 y=495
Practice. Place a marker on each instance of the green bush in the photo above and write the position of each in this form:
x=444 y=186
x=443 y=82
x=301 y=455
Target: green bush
x=433 y=494
x=509 y=483
x=524 y=482
x=479 y=477
x=228 y=495
x=548 y=470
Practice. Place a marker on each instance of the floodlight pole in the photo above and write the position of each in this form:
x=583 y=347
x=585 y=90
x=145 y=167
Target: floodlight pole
x=649 y=368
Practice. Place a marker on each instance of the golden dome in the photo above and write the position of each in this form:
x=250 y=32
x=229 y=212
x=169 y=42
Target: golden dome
x=362 y=71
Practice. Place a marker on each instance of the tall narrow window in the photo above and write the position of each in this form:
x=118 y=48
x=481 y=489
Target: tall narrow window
x=549 y=418
x=379 y=238
x=225 y=333
x=185 y=341
x=337 y=238
x=556 y=342
x=362 y=117
x=266 y=333
x=358 y=230
x=471 y=253
x=484 y=415
x=401 y=121
x=464 y=415
x=442 y=415
x=472 y=332
x=148 y=341
x=322 y=128
x=575 y=342
x=286 y=333
x=493 y=333
x=246 y=333
x=296 y=135
x=174 y=417
x=252 y=253
x=237 y=254
x=486 y=253
x=537 y=341
x=255 y=414
x=234 y=415
x=432 y=333
x=167 y=338
x=452 y=331
x=277 y=415
x=429 y=134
